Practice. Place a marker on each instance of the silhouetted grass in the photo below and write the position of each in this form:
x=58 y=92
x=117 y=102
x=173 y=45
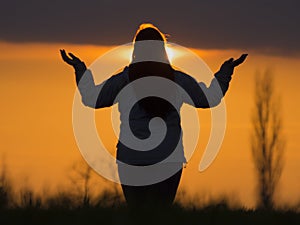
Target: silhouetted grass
x=218 y=214
x=68 y=207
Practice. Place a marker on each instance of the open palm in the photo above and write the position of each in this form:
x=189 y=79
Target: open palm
x=70 y=59
x=229 y=65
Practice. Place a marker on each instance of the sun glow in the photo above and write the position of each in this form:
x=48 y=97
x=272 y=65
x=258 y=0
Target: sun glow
x=170 y=52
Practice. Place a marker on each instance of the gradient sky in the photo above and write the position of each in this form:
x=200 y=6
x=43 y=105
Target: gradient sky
x=37 y=88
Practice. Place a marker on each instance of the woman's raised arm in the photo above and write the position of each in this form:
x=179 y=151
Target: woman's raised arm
x=95 y=96
x=207 y=97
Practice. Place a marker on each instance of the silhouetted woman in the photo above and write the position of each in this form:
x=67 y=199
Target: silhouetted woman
x=150 y=59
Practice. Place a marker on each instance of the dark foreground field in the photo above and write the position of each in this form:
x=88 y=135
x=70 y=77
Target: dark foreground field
x=122 y=215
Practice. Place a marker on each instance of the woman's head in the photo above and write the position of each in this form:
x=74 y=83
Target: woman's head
x=150 y=58
x=148 y=31
x=149 y=45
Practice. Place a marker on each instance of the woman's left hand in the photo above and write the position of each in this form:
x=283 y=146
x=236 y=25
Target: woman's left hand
x=228 y=66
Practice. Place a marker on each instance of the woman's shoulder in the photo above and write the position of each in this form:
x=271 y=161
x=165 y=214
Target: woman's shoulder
x=121 y=75
x=182 y=77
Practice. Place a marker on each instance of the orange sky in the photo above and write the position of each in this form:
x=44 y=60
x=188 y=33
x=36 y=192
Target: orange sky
x=37 y=140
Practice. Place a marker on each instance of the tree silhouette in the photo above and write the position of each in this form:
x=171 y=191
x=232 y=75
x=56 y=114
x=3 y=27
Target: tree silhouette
x=267 y=141
x=81 y=180
x=87 y=187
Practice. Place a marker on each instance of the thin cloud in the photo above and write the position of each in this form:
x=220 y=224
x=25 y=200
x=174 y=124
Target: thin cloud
x=266 y=26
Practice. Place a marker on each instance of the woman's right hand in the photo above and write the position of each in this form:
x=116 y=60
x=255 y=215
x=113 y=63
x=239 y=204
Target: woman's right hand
x=72 y=60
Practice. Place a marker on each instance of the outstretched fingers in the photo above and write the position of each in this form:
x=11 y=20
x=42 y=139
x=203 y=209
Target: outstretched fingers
x=65 y=57
x=74 y=57
x=239 y=60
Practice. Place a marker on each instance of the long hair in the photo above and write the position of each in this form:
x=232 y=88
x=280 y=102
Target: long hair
x=160 y=66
